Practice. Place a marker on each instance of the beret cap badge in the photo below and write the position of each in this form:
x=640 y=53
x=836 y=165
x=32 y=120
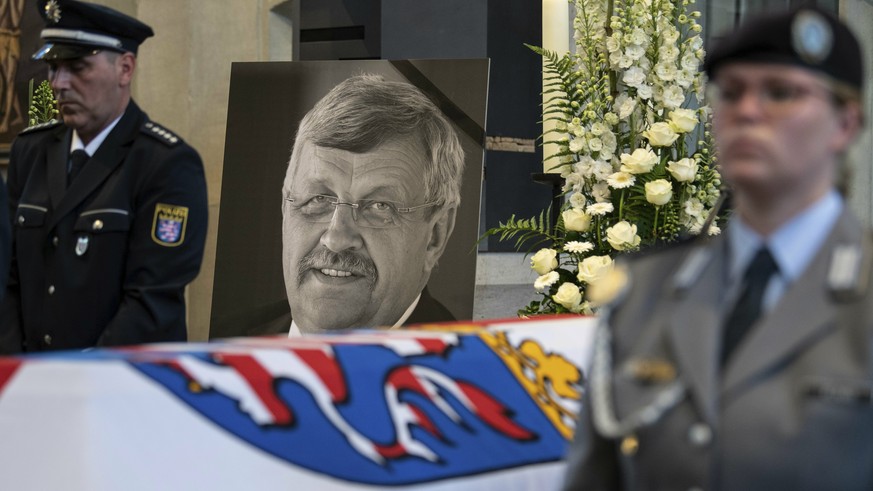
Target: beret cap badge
x=811 y=36
x=53 y=11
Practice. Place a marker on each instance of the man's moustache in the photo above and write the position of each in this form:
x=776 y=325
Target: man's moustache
x=342 y=261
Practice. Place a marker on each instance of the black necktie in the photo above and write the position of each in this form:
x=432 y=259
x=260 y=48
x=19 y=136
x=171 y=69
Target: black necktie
x=748 y=306
x=77 y=161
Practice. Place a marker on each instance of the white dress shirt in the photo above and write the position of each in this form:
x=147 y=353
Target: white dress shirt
x=294 y=331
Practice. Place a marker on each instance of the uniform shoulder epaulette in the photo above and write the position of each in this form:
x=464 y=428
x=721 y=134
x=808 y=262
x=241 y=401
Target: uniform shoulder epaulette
x=160 y=133
x=40 y=127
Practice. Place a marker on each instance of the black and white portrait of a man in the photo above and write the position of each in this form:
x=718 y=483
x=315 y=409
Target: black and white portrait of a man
x=378 y=168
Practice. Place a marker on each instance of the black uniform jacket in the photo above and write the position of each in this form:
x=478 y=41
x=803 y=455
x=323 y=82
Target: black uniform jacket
x=103 y=262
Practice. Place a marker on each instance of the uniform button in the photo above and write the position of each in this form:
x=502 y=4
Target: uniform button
x=699 y=435
x=21 y=220
x=630 y=445
x=51 y=289
x=47 y=338
x=98 y=225
x=55 y=241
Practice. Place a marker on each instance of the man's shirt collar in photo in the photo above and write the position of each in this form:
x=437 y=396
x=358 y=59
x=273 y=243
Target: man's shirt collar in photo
x=93 y=145
x=295 y=332
x=793 y=245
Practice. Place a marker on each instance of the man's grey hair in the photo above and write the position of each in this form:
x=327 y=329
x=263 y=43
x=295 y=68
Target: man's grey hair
x=366 y=111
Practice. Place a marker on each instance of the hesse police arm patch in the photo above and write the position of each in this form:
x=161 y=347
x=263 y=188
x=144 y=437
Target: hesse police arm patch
x=168 y=227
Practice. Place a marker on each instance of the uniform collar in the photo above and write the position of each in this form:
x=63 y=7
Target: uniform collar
x=93 y=145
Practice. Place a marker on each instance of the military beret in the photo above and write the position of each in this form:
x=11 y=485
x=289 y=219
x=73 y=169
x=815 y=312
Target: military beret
x=807 y=37
x=75 y=29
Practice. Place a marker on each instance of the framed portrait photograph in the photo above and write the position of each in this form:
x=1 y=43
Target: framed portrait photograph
x=371 y=218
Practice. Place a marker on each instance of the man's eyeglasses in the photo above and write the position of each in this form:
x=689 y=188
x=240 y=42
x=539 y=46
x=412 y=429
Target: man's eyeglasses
x=367 y=212
x=776 y=99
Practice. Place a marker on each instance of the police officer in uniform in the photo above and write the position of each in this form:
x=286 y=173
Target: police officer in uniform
x=744 y=362
x=108 y=207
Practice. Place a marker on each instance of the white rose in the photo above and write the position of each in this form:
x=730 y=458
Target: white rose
x=659 y=192
x=623 y=236
x=683 y=120
x=569 y=296
x=544 y=261
x=546 y=280
x=661 y=135
x=639 y=162
x=576 y=220
x=683 y=170
x=593 y=267
x=611 y=119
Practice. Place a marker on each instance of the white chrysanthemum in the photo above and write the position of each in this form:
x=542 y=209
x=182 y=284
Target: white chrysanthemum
x=577 y=247
x=621 y=180
x=546 y=280
x=600 y=209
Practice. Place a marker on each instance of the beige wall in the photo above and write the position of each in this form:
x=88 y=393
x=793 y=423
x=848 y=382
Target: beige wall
x=182 y=81
x=184 y=75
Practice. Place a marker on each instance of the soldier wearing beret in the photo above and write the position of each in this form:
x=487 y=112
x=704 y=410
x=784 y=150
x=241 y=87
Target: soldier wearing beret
x=108 y=207
x=743 y=362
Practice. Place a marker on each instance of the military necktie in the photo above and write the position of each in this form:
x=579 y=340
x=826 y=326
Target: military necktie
x=748 y=306
x=77 y=161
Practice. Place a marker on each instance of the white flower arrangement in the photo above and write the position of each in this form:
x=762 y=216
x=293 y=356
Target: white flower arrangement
x=634 y=150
